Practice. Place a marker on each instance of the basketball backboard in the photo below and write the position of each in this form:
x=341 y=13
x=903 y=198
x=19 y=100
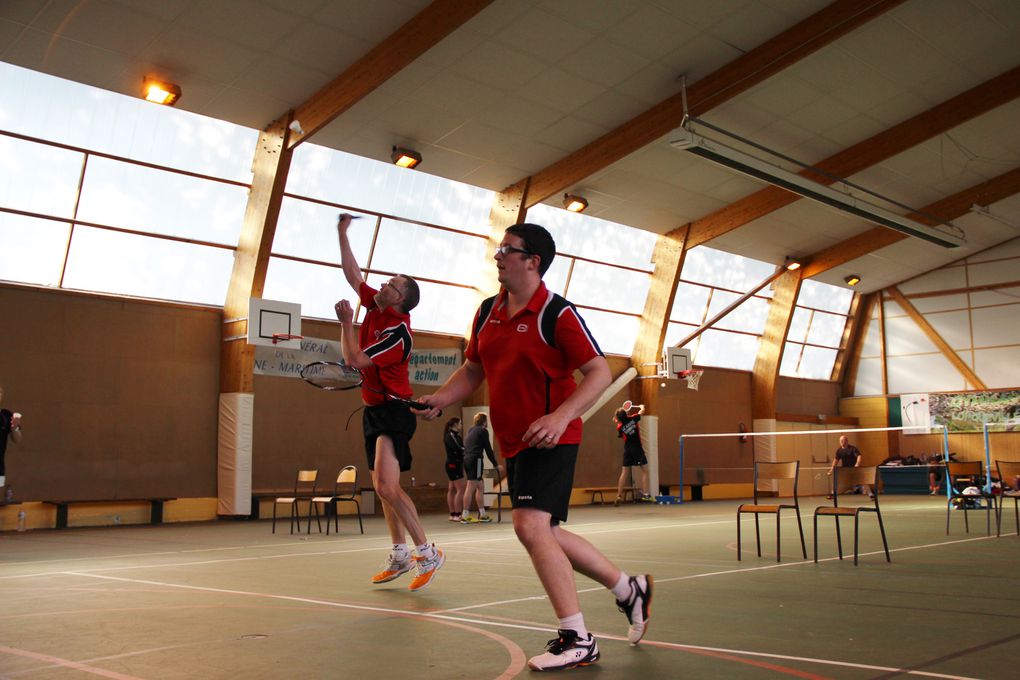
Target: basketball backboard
x=268 y=317
x=676 y=360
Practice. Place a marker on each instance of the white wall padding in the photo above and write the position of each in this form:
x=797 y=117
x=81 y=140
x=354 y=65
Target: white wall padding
x=233 y=465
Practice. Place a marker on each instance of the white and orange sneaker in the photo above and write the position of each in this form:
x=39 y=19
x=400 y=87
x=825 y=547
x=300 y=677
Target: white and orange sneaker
x=392 y=568
x=427 y=568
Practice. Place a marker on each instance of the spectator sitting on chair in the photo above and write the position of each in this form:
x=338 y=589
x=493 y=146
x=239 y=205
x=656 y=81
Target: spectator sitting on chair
x=848 y=455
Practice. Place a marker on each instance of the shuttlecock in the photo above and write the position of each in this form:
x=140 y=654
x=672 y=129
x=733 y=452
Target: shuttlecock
x=295 y=125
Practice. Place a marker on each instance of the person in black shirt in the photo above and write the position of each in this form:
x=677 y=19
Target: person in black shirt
x=10 y=428
x=477 y=443
x=454 y=467
x=848 y=455
x=628 y=429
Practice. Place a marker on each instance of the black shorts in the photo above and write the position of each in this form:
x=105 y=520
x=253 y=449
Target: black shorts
x=454 y=471
x=634 y=455
x=543 y=479
x=473 y=468
x=397 y=422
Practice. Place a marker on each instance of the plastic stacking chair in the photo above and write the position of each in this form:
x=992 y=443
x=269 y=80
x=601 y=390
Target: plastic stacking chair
x=304 y=490
x=1009 y=472
x=344 y=491
x=769 y=472
x=968 y=474
x=844 y=479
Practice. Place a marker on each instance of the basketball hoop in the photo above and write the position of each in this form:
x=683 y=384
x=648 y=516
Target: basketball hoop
x=283 y=337
x=692 y=377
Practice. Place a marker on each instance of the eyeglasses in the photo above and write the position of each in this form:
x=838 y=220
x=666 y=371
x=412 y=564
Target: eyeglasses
x=506 y=250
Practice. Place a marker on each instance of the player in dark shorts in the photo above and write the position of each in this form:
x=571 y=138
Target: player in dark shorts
x=381 y=352
x=454 y=467
x=477 y=445
x=629 y=430
x=527 y=342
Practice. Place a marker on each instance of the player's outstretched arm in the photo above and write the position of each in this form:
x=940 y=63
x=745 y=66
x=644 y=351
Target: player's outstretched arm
x=352 y=272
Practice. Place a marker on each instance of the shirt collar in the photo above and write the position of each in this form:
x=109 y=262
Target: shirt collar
x=534 y=305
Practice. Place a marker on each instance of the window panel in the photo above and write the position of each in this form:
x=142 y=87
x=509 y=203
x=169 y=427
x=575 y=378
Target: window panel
x=37 y=178
x=799 y=325
x=405 y=248
x=617 y=289
x=316 y=287
x=160 y=202
x=615 y=333
x=675 y=332
x=819 y=295
x=816 y=364
x=596 y=239
x=792 y=352
x=724 y=270
x=138 y=265
x=31 y=250
x=749 y=316
x=727 y=350
x=443 y=309
x=826 y=329
x=556 y=277
x=689 y=303
x=308 y=230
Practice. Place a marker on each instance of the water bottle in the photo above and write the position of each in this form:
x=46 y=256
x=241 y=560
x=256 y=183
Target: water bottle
x=21 y=520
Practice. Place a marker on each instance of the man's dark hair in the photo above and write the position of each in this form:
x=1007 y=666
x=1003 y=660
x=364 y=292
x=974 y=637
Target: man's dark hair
x=411 y=294
x=537 y=241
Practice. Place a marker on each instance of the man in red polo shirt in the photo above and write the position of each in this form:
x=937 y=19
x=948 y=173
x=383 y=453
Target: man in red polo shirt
x=381 y=353
x=527 y=342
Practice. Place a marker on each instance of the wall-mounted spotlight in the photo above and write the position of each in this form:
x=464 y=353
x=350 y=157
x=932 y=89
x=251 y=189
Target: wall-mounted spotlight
x=405 y=158
x=791 y=263
x=853 y=279
x=574 y=203
x=160 y=91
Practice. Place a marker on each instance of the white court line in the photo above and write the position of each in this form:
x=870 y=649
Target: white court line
x=517 y=626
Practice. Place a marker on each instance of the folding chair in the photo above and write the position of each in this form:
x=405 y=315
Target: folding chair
x=304 y=489
x=970 y=474
x=344 y=491
x=844 y=479
x=769 y=472
x=1009 y=476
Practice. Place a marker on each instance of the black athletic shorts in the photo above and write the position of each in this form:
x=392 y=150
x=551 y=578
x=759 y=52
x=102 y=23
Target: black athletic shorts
x=543 y=479
x=394 y=420
x=473 y=468
x=454 y=471
x=634 y=455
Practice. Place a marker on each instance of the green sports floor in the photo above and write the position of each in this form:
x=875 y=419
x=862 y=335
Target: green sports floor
x=229 y=599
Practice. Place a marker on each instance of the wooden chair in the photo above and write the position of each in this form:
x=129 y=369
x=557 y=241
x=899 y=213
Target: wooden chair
x=844 y=479
x=969 y=473
x=769 y=472
x=1009 y=472
x=304 y=489
x=344 y=491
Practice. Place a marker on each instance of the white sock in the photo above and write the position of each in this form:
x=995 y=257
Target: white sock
x=425 y=550
x=400 y=550
x=622 y=588
x=575 y=622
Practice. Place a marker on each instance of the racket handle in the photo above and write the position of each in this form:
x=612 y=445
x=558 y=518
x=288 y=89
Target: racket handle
x=419 y=406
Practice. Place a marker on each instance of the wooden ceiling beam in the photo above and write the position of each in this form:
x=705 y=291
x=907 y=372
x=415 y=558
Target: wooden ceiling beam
x=908 y=134
x=772 y=56
x=407 y=43
x=948 y=208
x=770 y=352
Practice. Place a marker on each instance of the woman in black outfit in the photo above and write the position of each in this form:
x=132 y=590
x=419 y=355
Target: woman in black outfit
x=454 y=467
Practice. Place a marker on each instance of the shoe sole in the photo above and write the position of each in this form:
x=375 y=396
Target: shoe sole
x=648 y=614
x=435 y=572
x=579 y=664
x=391 y=578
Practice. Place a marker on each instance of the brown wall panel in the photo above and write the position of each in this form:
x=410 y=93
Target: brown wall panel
x=807 y=397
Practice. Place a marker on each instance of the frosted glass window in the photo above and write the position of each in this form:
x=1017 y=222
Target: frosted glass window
x=308 y=230
x=99 y=120
x=594 y=238
x=816 y=363
x=724 y=270
x=415 y=250
x=689 y=303
x=799 y=325
x=37 y=178
x=599 y=285
x=749 y=316
x=160 y=202
x=338 y=177
x=317 y=288
x=826 y=329
x=819 y=295
x=615 y=333
x=442 y=309
x=676 y=332
x=727 y=350
x=556 y=277
x=113 y=262
x=31 y=250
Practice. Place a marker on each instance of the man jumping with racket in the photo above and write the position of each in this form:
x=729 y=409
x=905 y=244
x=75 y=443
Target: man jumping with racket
x=527 y=342
x=381 y=353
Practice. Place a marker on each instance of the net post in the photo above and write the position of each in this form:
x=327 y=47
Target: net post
x=680 y=491
x=988 y=461
x=945 y=461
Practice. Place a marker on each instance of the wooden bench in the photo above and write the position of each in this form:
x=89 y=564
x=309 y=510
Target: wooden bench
x=600 y=491
x=155 y=504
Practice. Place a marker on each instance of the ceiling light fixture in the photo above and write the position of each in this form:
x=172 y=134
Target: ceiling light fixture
x=853 y=279
x=687 y=140
x=574 y=203
x=160 y=91
x=791 y=264
x=405 y=158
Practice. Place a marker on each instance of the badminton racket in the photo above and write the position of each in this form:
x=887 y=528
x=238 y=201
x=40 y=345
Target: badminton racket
x=335 y=376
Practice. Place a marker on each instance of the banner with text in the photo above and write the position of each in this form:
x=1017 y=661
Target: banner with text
x=425 y=367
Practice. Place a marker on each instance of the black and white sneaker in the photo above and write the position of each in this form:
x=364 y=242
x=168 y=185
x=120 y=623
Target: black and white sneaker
x=565 y=652
x=637 y=607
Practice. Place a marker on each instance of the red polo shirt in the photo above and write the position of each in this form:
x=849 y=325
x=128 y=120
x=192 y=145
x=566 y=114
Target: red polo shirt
x=529 y=361
x=385 y=337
